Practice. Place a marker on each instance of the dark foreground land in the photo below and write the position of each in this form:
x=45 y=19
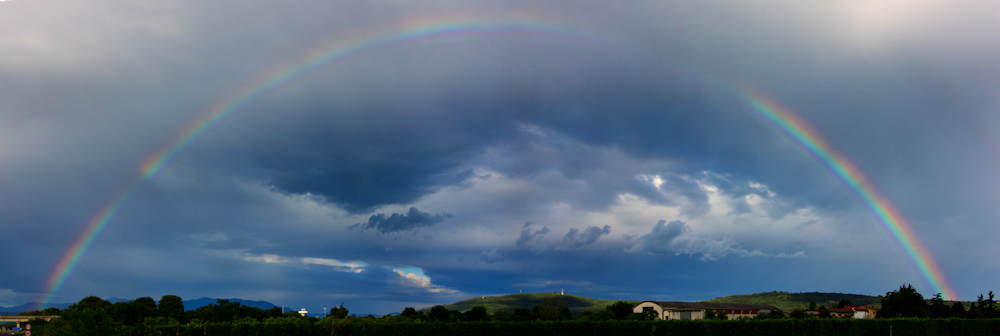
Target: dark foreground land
x=789 y=327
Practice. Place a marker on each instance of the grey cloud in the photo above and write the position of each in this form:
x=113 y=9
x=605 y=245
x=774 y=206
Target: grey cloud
x=659 y=240
x=575 y=239
x=528 y=236
x=412 y=220
x=907 y=96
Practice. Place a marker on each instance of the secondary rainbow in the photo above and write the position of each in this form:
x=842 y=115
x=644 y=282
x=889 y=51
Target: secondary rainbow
x=809 y=140
x=320 y=58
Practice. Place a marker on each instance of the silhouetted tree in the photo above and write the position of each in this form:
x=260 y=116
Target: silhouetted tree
x=171 y=306
x=938 y=309
x=409 y=312
x=812 y=305
x=621 y=309
x=823 y=312
x=844 y=303
x=958 y=309
x=905 y=302
x=338 y=312
x=95 y=303
x=477 y=313
x=439 y=313
x=552 y=309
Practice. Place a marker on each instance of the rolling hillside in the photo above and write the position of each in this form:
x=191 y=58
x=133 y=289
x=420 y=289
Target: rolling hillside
x=577 y=304
x=789 y=301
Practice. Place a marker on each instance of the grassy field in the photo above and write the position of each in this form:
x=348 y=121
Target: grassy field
x=577 y=304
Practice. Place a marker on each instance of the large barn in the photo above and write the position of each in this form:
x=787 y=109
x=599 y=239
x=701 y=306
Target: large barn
x=671 y=310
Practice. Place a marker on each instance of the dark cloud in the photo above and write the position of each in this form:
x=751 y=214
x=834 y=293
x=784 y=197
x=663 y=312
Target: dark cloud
x=412 y=220
x=660 y=239
x=529 y=236
x=617 y=117
x=575 y=239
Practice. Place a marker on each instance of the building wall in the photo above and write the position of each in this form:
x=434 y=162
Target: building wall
x=656 y=307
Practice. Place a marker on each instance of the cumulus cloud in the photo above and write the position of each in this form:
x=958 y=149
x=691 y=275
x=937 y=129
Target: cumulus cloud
x=421 y=282
x=660 y=239
x=529 y=236
x=412 y=220
x=675 y=238
x=575 y=239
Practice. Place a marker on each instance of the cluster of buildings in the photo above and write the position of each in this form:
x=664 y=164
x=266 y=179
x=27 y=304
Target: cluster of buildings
x=672 y=310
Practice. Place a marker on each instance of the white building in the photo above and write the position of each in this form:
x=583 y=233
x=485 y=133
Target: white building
x=671 y=310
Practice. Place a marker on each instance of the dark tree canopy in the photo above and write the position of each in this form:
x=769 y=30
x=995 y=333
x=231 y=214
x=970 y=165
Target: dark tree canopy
x=477 y=313
x=440 y=313
x=339 y=312
x=621 y=309
x=94 y=303
x=905 y=302
x=171 y=306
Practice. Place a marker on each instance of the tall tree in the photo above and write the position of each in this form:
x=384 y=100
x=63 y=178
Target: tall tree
x=938 y=309
x=844 y=303
x=905 y=302
x=94 y=303
x=171 y=306
x=440 y=313
x=339 y=312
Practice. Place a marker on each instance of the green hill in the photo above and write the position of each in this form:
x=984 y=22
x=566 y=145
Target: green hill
x=579 y=304
x=576 y=304
x=789 y=301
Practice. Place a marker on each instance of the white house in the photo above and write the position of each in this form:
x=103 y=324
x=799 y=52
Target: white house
x=671 y=310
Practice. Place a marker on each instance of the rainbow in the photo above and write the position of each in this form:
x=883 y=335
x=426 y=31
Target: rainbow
x=809 y=140
x=331 y=56
x=317 y=59
x=363 y=45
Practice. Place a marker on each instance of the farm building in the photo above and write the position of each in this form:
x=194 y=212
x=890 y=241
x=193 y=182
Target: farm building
x=671 y=310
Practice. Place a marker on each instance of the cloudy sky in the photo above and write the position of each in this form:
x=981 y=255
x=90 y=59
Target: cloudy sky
x=388 y=154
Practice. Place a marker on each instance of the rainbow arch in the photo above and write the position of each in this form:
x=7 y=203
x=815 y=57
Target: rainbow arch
x=808 y=139
x=793 y=127
x=339 y=53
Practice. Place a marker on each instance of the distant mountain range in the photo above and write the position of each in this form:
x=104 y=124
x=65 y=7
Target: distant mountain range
x=188 y=304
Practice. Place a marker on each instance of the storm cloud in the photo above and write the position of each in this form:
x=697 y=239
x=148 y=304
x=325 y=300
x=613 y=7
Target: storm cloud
x=629 y=137
x=412 y=220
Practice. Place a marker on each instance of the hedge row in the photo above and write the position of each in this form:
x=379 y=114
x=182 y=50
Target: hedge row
x=786 y=327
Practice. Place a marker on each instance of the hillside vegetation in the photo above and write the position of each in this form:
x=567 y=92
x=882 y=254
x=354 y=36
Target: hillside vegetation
x=789 y=301
x=577 y=304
